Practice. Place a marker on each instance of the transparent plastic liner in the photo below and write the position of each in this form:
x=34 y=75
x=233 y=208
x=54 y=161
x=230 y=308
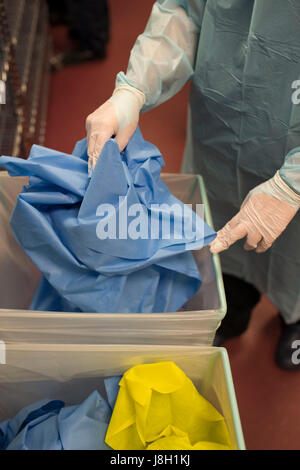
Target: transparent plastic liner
x=71 y=372
x=195 y=323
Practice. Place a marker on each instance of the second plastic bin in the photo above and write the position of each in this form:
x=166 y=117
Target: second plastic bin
x=71 y=372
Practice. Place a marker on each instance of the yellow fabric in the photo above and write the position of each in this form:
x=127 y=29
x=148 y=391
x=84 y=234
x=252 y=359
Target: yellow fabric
x=158 y=407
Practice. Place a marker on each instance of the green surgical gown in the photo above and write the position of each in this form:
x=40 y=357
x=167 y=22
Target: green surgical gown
x=244 y=125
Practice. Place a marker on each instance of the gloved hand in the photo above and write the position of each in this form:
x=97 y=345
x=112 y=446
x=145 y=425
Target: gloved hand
x=161 y=62
x=264 y=215
x=118 y=117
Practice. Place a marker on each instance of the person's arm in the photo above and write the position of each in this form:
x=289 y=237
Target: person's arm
x=266 y=211
x=160 y=64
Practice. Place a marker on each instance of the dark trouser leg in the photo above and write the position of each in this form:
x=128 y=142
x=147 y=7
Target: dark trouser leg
x=57 y=11
x=241 y=299
x=90 y=21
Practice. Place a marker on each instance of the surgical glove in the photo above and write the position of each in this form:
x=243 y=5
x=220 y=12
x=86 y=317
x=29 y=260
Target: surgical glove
x=118 y=117
x=264 y=215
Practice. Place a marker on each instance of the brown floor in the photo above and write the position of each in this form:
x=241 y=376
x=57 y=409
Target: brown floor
x=268 y=398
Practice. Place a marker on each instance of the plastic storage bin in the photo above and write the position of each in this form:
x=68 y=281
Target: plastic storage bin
x=71 y=371
x=194 y=324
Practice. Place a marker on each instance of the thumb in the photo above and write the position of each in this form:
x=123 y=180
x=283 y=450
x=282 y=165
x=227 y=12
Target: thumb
x=123 y=136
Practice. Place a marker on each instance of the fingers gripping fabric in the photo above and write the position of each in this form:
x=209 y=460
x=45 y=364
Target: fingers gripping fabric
x=80 y=232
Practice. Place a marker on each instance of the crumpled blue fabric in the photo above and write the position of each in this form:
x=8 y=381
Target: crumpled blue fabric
x=55 y=220
x=49 y=425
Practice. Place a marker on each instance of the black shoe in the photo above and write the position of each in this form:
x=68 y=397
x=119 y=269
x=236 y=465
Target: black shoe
x=287 y=354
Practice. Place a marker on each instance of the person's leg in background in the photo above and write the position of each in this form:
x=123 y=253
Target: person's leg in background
x=57 y=11
x=89 y=24
x=241 y=299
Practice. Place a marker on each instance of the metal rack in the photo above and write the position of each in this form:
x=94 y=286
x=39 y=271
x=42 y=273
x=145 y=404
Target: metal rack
x=24 y=68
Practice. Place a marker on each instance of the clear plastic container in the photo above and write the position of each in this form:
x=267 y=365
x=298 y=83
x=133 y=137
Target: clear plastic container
x=194 y=324
x=70 y=372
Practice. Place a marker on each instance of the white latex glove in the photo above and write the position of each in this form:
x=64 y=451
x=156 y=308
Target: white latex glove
x=118 y=117
x=161 y=62
x=264 y=215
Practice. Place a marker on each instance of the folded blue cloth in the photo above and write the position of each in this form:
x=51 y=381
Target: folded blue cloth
x=58 y=219
x=49 y=425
